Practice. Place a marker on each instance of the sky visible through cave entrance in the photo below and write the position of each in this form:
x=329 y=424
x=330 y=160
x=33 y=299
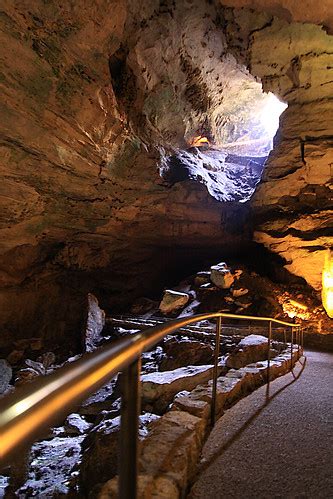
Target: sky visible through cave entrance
x=231 y=168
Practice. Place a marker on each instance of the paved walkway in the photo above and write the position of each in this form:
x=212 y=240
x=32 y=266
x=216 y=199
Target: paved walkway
x=282 y=450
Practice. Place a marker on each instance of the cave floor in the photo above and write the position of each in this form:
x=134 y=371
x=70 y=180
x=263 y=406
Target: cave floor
x=282 y=449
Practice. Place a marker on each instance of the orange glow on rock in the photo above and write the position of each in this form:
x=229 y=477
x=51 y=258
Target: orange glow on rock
x=199 y=141
x=295 y=309
x=327 y=290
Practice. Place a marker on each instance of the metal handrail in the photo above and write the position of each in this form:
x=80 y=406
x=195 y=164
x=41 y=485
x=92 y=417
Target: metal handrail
x=32 y=409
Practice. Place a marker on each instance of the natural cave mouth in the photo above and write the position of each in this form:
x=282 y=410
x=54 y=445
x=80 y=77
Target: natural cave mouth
x=231 y=169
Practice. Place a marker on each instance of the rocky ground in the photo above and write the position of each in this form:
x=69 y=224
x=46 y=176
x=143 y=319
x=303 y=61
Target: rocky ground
x=79 y=455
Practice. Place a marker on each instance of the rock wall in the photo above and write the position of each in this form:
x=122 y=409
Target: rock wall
x=95 y=95
x=83 y=129
x=291 y=10
x=293 y=204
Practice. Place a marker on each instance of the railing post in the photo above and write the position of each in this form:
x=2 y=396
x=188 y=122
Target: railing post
x=129 y=429
x=298 y=340
x=291 y=347
x=302 y=339
x=285 y=336
x=216 y=361
x=269 y=357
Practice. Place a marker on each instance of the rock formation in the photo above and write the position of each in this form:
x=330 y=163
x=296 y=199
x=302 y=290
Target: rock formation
x=96 y=96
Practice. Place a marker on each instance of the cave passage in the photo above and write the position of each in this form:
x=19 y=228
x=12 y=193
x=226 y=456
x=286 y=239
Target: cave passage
x=230 y=169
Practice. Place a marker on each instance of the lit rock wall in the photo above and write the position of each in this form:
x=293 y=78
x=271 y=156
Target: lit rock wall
x=93 y=95
x=307 y=11
x=293 y=203
x=88 y=109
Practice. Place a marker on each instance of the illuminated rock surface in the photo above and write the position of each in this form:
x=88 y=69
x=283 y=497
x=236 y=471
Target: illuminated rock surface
x=327 y=291
x=93 y=101
x=221 y=276
x=172 y=301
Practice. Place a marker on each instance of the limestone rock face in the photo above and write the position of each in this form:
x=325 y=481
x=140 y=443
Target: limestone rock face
x=293 y=203
x=159 y=388
x=173 y=447
x=291 y=10
x=95 y=324
x=101 y=450
x=5 y=375
x=180 y=353
x=87 y=114
x=221 y=276
x=172 y=301
x=95 y=97
x=148 y=487
x=250 y=349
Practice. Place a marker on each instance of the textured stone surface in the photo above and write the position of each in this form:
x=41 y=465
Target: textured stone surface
x=168 y=457
x=159 y=388
x=294 y=201
x=173 y=447
x=83 y=202
x=149 y=487
x=292 y=10
x=96 y=96
x=181 y=353
x=221 y=276
x=101 y=451
x=231 y=387
x=95 y=324
x=250 y=349
x=173 y=301
x=5 y=375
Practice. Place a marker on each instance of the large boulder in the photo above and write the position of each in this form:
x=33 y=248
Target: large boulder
x=202 y=278
x=221 y=276
x=173 y=301
x=94 y=324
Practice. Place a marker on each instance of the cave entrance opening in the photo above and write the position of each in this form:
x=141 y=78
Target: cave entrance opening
x=229 y=157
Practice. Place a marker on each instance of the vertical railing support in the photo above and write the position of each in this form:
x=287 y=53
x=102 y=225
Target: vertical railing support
x=215 y=370
x=298 y=340
x=291 y=347
x=129 y=429
x=269 y=357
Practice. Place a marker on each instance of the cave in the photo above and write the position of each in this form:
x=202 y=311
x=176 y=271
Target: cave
x=145 y=147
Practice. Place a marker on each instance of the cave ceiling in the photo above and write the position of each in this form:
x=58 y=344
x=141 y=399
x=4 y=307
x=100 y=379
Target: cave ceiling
x=95 y=95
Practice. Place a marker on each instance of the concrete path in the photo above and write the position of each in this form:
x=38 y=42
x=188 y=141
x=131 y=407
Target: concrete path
x=281 y=450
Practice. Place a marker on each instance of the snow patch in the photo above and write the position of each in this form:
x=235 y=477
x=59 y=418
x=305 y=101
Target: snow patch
x=167 y=377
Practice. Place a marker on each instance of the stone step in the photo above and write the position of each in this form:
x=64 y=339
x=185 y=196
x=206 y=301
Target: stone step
x=159 y=388
x=203 y=328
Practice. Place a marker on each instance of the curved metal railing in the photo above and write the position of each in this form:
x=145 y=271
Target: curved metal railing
x=32 y=409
